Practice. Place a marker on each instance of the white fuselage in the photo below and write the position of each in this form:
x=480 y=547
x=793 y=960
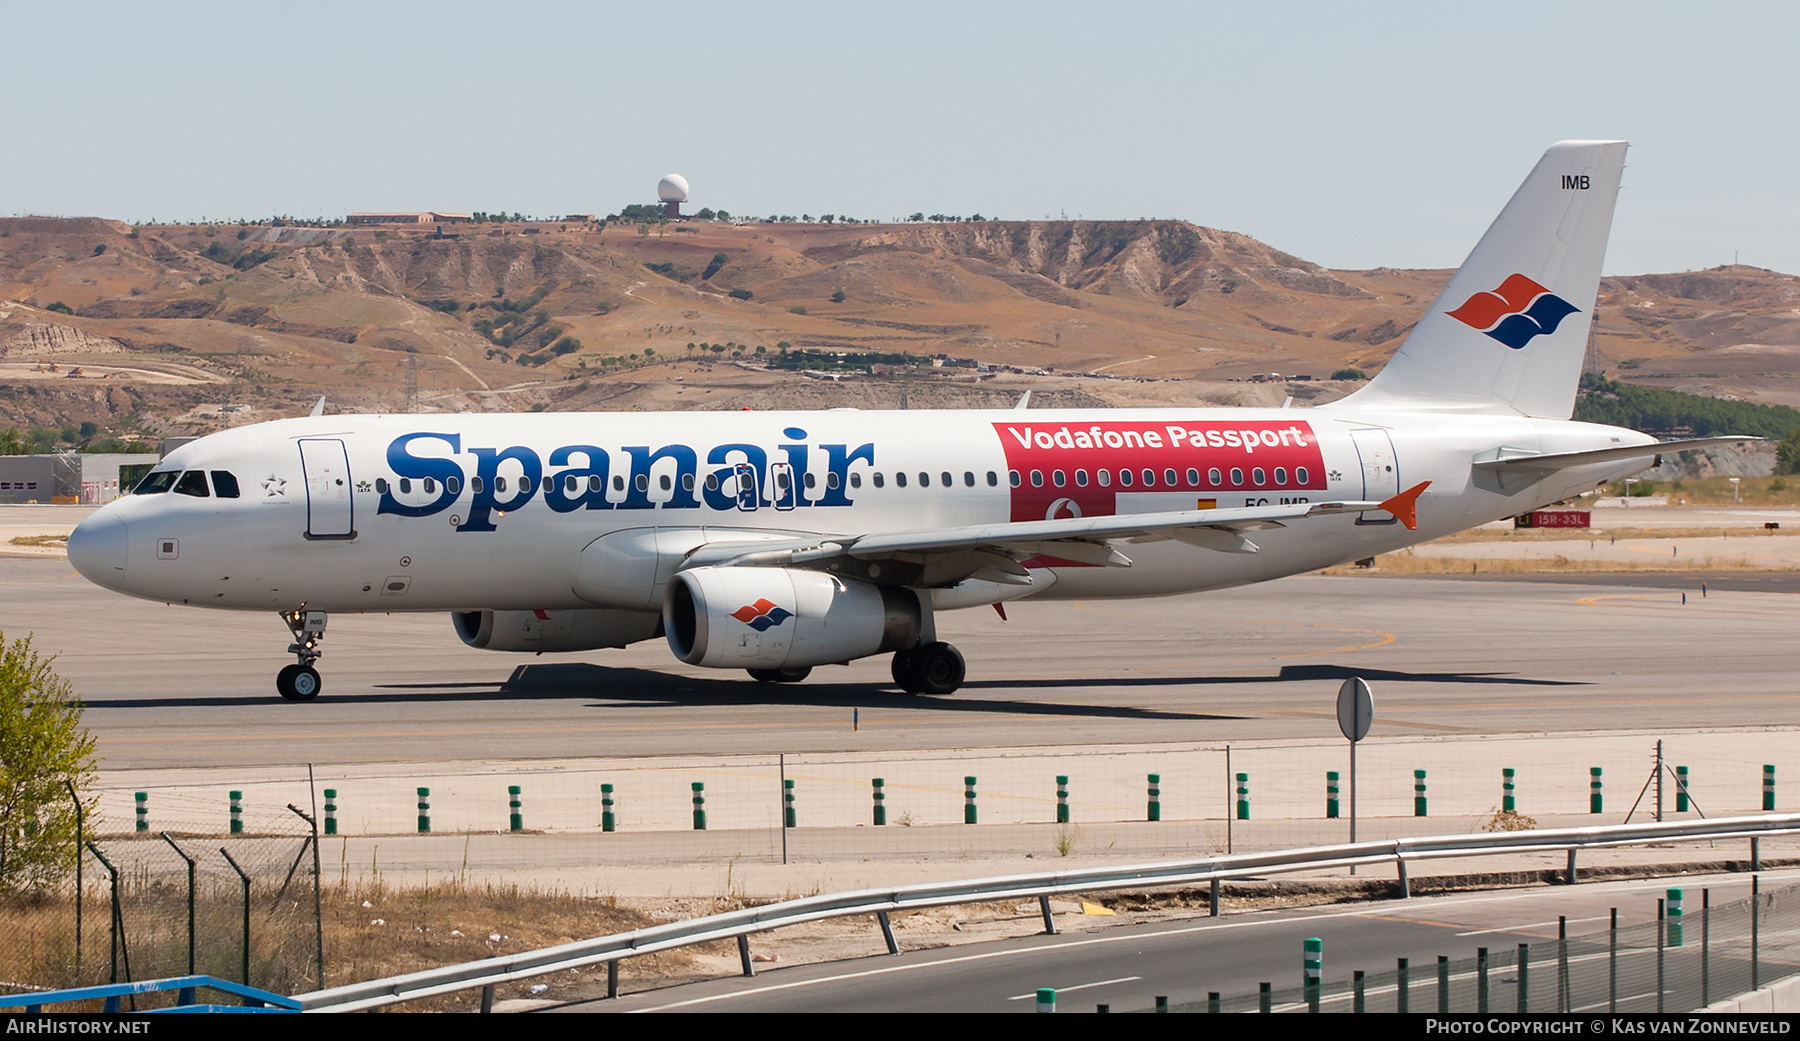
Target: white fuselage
x=472 y=512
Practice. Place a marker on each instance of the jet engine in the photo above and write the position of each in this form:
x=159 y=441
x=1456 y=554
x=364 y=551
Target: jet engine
x=577 y=630
x=784 y=618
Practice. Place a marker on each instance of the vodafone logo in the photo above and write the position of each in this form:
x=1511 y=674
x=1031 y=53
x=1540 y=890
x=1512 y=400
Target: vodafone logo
x=1246 y=439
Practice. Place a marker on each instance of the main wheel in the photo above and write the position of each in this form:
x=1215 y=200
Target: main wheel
x=902 y=670
x=780 y=675
x=937 y=668
x=298 y=683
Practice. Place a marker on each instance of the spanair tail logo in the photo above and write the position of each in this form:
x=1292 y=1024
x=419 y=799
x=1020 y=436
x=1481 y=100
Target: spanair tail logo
x=1516 y=313
x=763 y=615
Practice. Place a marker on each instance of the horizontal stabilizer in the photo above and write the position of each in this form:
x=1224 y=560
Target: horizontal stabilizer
x=1565 y=460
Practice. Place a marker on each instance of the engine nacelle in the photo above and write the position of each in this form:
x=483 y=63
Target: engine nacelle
x=783 y=618
x=577 y=630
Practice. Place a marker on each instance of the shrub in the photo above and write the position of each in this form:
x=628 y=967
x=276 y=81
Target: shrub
x=740 y=294
x=43 y=750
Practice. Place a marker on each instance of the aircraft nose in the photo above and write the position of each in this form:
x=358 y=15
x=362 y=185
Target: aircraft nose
x=97 y=547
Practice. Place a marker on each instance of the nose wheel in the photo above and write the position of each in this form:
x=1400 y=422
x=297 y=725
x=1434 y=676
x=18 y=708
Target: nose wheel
x=297 y=683
x=300 y=681
x=935 y=668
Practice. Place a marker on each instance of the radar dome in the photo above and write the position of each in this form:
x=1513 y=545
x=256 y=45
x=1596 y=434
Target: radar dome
x=673 y=188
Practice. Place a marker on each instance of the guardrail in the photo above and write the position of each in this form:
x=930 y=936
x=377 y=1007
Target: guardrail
x=881 y=902
x=186 y=990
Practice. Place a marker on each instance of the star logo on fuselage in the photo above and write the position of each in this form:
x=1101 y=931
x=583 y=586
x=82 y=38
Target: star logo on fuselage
x=274 y=486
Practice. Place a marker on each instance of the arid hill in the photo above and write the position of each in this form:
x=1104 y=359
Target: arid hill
x=182 y=328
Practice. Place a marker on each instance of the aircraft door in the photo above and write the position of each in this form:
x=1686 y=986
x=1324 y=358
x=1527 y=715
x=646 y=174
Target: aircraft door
x=746 y=486
x=781 y=478
x=329 y=511
x=1381 y=473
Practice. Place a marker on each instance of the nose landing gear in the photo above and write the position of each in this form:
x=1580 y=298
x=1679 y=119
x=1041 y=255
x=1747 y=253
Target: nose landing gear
x=300 y=682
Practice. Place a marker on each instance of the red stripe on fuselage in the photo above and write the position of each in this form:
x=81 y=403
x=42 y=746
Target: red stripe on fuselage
x=1286 y=452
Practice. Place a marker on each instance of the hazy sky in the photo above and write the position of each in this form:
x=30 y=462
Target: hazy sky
x=1354 y=135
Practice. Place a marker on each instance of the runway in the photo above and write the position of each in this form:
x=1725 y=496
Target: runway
x=173 y=687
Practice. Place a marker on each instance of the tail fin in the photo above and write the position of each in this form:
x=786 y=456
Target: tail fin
x=1509 y=332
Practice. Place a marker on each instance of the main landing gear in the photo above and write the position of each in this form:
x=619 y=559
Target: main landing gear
x=934 y=668
x=300 y=681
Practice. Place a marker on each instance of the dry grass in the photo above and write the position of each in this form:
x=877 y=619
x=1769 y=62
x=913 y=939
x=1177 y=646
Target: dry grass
x=57 y=541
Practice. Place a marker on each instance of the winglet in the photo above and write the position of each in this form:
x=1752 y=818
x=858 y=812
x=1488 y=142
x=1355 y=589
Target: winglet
x=1405 y=505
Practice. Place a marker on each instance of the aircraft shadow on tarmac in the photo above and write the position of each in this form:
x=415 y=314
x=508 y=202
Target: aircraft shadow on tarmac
x=626 y=688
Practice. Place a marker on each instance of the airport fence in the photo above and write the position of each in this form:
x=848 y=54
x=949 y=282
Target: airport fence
x=1691 y=956
x=238 y=903
x=1137 y=801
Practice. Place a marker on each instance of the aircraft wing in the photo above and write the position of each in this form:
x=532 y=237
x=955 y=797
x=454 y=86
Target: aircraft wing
x=996 y=552
x=1527 y=463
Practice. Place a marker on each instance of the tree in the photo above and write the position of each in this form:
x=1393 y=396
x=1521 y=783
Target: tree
x=1787 y=454
x=838 y=297
x=43 y=749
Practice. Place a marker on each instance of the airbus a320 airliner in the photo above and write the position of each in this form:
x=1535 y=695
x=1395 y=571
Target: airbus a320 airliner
x=778 y=541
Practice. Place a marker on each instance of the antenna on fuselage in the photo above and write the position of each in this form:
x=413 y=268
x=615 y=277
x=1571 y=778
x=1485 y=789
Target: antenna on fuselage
x=1024 y=402
x=319 y=408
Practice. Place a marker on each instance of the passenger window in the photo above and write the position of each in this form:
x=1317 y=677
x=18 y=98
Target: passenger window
x=192 y=483
x=665 y=483
x=712 y=482
x=569 y=484
x=993 y=479
x=643 y=482
x=924 y=479
x=477 y=485
x=1237 y=477
x=1125 y=477
x=810 y=479
x=1057 y=478
x=856 y=480
x=225 y=484
x=900 y=478
x=1258 y=476
x=831 y=480
x=1169 y=478
x=879 y=480
x=1081 y=478
x=156 y=483
x=1193 y=477
x=1212 y=476
x=1149 y=478
x=945 y=478
x=968 y=479
x=405 y=485
x=595 y=484
x=430 y=486
x=618 y=482
x=1037 y=478
x=1281 y=475
x=525 y=485
x=1300 y=475
x=499 y=485
x=1012 y=478
x=687 y=482
x=381 y=485
x=455 y=485
x=1104 y=477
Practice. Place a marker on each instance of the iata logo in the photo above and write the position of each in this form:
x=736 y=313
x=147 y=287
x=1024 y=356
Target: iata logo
x=1516 y=313
x=763 y=615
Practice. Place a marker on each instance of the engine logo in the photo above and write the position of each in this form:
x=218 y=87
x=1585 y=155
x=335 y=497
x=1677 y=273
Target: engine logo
x=763 y=615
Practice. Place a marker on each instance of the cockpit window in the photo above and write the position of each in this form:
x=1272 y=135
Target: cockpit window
x=225 y=484
x=192 y=483
x=156 y=483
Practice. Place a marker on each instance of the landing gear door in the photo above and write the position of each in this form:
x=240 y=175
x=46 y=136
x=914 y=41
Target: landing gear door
x=329 y=511
x=1381 y=474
